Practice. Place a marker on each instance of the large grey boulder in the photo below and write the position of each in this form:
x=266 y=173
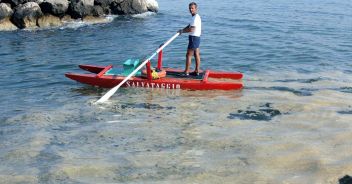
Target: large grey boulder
x=5 y=14
x=80 y=8
x=26 y=15
x=15 y=3
x=105 y=4
x=134 y=7
x=152 y=5
x=54 y=7
x=97 y=11
x=5 y=11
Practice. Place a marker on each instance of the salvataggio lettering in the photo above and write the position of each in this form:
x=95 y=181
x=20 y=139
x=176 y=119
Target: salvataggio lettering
x=153 y=85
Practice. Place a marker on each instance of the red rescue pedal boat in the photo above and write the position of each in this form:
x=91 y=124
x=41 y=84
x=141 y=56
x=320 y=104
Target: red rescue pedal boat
x=109 y=77
x=206 y=80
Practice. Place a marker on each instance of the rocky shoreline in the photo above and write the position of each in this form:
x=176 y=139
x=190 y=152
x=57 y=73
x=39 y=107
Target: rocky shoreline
x=20 y=14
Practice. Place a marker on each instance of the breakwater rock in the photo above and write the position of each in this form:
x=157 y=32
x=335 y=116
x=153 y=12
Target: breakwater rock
x=20 y=14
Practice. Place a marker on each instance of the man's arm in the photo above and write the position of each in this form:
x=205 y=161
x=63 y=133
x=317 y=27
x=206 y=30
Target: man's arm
x=186 y=29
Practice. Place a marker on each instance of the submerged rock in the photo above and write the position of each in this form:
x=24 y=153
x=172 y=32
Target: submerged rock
x=265 y=113
x=26 y=15
x=345 y=180
x=95 y=20
x=48 y=21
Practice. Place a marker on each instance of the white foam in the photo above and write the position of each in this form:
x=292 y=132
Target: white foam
x=144 y=15
x=114 y=121
x=75 y=24
x=111 y=17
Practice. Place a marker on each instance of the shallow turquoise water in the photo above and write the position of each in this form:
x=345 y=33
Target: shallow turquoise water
x=291 y=123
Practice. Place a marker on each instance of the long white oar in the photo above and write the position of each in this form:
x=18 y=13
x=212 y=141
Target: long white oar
x=114 y=89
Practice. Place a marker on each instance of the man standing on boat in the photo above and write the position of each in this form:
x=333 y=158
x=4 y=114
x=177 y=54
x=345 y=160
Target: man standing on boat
x=194 y=29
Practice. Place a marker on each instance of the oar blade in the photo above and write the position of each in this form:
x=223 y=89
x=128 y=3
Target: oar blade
x=108 y=95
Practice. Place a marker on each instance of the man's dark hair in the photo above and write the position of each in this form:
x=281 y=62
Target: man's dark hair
x=193 y=3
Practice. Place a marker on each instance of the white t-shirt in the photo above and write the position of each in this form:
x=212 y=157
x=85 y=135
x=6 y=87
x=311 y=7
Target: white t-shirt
x=197 y=23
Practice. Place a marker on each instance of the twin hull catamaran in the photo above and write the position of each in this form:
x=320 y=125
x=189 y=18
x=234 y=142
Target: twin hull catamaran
x=167 y=78
x=109 y=76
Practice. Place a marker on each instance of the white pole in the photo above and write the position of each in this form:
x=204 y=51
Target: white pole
x=114 y=89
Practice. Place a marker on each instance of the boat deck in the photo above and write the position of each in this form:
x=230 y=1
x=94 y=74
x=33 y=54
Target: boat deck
x=179 y=74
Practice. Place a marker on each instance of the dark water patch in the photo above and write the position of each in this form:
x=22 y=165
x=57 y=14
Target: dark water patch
x=46 y=156
x=143 y=106
x=348 y=71
x=346 y=89
x=296 y=92
x=266 y=105
x=301 y=92
x=153 y=173
x=86 y=90
x=301 y=80
x=9 y=130
x=303 y=71
x=345 y=112
x=62 y=128
x=264 y=113
x=60 y=177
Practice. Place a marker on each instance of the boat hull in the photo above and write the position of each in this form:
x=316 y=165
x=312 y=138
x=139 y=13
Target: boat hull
x=171 y=81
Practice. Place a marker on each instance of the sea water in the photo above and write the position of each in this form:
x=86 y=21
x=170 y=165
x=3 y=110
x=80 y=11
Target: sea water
x=292 y=123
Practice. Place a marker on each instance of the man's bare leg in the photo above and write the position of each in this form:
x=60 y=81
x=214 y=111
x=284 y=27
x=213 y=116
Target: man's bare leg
x=197 y=58
x=188 y=59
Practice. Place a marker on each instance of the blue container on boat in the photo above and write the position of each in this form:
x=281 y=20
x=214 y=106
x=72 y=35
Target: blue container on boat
x=130 y=65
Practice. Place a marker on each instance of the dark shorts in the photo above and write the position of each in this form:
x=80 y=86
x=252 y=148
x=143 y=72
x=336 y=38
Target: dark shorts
x=193 y=42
